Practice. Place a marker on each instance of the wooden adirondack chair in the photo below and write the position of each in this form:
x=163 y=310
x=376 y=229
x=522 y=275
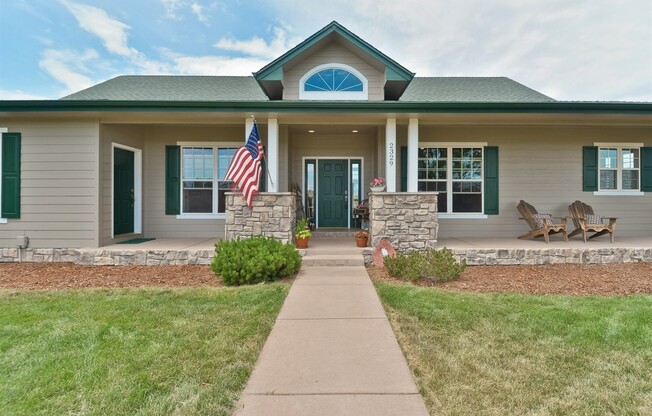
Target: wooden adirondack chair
x=586 y=221
x=542 y=225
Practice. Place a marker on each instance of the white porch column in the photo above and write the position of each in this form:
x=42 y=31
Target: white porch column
x=249 y=124
x=390 y=154
x=412 y=155
x=272 y=155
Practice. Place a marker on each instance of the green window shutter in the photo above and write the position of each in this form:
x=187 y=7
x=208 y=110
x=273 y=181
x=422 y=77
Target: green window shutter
x=10 y=175
x=590 y=168
x=646 y=169
x=491 y=180
x=172 y=180
x=404 y=163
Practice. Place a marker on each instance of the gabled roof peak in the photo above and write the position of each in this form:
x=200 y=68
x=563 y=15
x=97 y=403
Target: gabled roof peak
x=271 y=75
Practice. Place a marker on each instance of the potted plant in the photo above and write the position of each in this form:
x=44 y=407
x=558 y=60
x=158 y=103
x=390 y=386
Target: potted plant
x=361 y=238
x=302 y=233
x=377 y=185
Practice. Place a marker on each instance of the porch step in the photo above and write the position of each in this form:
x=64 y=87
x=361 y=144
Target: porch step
x=332 y=260
x=334 y=233
x=333 y=251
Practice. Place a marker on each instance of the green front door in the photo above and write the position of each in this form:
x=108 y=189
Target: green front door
x=123 y=191
x=332 y=193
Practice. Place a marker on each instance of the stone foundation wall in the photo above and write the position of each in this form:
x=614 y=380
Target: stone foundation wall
x=507 y=257
x=407 y=219
x=271 y=215
x=100 y=257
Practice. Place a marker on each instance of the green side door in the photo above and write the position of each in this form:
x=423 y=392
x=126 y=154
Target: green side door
x=332 y=193
x=123 y=191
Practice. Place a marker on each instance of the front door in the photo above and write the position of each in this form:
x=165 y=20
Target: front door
x=332 y=191
x=123 y=191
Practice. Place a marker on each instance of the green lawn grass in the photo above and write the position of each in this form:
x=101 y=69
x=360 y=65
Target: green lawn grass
x=475 y=354
x=184 y=351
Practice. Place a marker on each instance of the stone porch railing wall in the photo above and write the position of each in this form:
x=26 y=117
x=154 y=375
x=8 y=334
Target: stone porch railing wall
x=407 y=219
x=511 y=257
x=103 y=257
x=271 y=215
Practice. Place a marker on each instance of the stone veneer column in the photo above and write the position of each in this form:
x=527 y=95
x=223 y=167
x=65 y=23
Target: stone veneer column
x=407 y=219
x=272 y=215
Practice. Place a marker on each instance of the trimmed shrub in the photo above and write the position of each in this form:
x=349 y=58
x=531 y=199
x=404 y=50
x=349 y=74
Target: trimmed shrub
x=439 y=265
x=254 y=260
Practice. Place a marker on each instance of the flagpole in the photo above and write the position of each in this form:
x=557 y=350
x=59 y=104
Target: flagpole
x=269 y=175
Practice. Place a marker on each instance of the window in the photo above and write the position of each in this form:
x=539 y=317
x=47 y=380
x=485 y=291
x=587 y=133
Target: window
x=203 y=187
x=456 y=173
x=333 y=82
x=619 y=168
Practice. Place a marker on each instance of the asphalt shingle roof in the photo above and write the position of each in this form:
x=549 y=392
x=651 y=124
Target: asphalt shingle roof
x=245 y=88
x=470 y=89
x=173 y=88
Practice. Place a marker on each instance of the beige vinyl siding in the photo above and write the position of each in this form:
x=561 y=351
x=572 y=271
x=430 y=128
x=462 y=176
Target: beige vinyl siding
x=333 y=53
x=126 y=135
x=59 y=197
x=156 y=223
x=543 y=165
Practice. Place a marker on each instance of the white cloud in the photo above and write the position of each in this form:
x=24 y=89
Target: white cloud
x=198 y=10
x=208 y=65
x=20 y=95
x=69 y=67
x=582 y=50
x=96 y=21
x=171 y=7
x=258 y=47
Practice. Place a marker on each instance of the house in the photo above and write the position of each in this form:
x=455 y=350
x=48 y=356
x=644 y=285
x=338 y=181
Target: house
x=146 y=155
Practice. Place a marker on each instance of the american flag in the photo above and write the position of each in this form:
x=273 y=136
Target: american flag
x=245 y=168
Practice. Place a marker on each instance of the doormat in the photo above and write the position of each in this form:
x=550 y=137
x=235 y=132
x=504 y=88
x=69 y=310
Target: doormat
x=137 y=240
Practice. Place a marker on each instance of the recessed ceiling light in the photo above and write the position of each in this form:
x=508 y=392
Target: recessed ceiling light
x=354 y=131
x=311 y=131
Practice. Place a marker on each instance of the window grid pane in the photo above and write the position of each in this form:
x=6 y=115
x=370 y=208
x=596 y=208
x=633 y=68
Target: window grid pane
x=619 y=168
x=465 y=184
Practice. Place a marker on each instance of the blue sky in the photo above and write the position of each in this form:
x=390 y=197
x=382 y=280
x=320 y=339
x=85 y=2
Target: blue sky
x=580 y=50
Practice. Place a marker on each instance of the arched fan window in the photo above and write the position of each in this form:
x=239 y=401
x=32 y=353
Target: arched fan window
x=333 y=82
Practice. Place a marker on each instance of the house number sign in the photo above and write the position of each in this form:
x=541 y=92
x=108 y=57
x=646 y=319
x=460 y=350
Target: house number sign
x=390 y=154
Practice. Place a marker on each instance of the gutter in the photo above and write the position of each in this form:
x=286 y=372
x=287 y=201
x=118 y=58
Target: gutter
x=565 y=107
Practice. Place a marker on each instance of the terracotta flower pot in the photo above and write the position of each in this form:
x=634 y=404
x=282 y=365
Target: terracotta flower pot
x=361 y=241
x=301 y=242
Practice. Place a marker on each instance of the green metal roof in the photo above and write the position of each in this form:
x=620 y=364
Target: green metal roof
x=470 y=89
x=173 y=88
x=226 y=88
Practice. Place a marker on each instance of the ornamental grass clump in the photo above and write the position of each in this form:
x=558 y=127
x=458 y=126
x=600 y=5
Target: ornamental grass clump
x=438 y=265
x=254 y=260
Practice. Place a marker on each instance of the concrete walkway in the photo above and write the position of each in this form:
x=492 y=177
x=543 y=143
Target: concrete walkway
x=331 y=352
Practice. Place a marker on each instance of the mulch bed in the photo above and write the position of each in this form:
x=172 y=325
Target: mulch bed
x=55 y=276
x=566 y=279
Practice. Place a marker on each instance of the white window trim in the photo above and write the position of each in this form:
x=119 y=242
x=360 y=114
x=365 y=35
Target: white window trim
x=215 y=146
x=461 y=215
x=138 y=187
x=2 y=130
x=615 y=192
x=449 y=173
x=334 y=95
